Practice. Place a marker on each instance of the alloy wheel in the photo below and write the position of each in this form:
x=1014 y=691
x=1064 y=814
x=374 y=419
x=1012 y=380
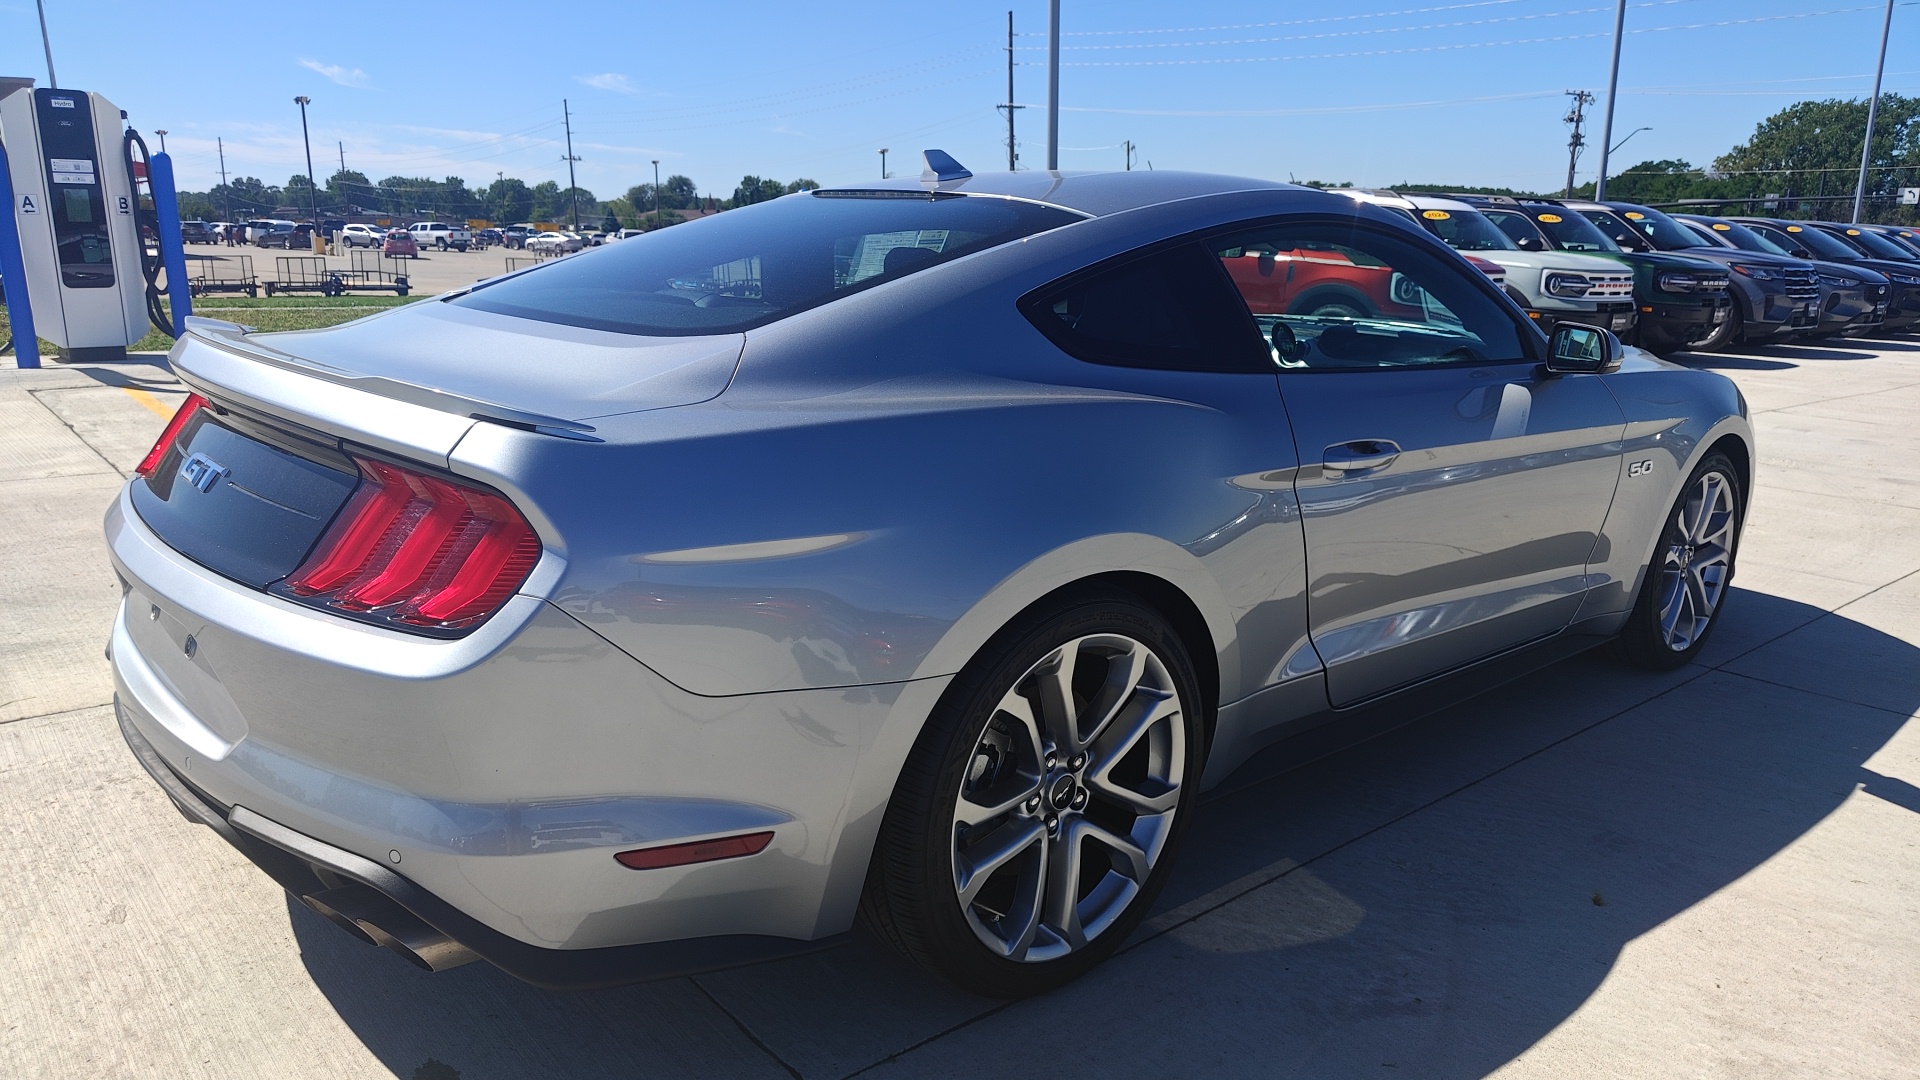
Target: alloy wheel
x=1698 y=559
x=1069 y=798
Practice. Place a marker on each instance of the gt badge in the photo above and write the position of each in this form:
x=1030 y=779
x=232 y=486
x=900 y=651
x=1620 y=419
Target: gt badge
x=203 y=472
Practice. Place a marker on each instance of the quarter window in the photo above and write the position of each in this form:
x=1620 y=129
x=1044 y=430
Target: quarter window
x=1332 y=296
x=1169 y=309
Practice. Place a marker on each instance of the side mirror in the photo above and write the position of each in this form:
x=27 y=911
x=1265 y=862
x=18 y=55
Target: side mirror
x=1527 y=243
x=1575 y=349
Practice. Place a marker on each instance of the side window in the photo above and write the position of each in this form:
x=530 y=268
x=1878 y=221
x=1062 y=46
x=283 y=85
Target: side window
x=1171 y=309
x=1517 y=228
x=1333 y=296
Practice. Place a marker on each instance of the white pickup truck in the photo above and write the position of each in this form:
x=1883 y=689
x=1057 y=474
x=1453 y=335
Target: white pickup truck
x=434 y=234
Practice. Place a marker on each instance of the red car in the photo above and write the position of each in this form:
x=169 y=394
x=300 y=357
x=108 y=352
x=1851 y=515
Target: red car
x=400 y=242
x=1325 y=280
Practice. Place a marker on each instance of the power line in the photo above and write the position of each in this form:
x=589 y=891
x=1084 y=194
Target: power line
x=1464 y=45
x=1285 y=22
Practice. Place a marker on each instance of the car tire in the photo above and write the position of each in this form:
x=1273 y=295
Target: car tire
x=1331 y=303
x=1684 y=589
x=1027 y=894
x=1725 y=334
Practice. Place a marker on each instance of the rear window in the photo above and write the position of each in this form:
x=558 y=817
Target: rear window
x=748 y=267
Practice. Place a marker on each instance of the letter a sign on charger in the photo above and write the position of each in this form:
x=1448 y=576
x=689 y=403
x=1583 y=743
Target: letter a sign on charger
x=26 y=205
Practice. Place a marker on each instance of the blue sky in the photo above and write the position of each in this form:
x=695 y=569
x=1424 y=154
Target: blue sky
x=1372 y=91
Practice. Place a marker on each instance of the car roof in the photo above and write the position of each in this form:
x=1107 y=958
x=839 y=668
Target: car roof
x=1385 y=197
x=1093 y=193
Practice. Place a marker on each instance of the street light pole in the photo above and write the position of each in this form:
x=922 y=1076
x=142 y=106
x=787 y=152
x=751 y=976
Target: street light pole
x=46 y=43
x=162 y=132
x=1873 y=112
x=656 y=193
x=1630 y=135
x=1613 y=92
x=313 y=194
x=883 y=163
x=1053 y=85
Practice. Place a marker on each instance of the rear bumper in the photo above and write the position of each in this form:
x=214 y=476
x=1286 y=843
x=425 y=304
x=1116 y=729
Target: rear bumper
x=308 y=868
x=500 y=773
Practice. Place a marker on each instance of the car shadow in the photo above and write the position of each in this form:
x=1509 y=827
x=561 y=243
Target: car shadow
x=1436 y=898
x=1728 y=362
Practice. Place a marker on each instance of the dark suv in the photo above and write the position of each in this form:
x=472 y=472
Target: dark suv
x=1774 y=297
x=1684 y=302
x=1853 y=299
x=196 y=232
x=1850 y=245
x=282 y=234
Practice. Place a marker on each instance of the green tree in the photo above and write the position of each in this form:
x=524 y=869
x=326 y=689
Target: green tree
x=509 y=200
x=678 y=193
x=347 y=189
x=1813 y=148
x=803 y=185
x=610 y=223
x=545 y=201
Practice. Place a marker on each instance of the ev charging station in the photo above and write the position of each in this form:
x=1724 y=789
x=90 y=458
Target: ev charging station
x=73 y=259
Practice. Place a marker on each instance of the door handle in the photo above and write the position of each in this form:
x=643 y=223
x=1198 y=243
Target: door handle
x=1359 y=455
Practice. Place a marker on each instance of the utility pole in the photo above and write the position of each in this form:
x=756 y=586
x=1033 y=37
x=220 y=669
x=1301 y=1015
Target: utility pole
x=221 y=145
x=1053 y=85
x=656 y=193
x=1613 y=87
x=1873 y=112
x=573 y=189
x=1576 y=116
x=47 y=44
x=313 y=196
x=1129 y=147
x=343 y=155
x=1013 y=158
x=883 y=163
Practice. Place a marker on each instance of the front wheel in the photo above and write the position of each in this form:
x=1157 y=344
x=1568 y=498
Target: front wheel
x=1685 y=586
x=1038 y=814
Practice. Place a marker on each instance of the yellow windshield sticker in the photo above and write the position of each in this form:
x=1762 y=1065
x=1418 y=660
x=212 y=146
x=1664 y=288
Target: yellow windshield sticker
x=1793 y=228
x=1551 y=219
x=1435 y=215
x=1634 y=215
x=1721 y=226
x=1853 y=232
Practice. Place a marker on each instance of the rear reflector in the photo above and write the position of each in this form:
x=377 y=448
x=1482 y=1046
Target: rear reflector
x=699 y=851
x=188 y=408
x=417 y=552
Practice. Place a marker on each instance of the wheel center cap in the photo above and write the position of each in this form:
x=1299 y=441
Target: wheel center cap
x=1060 y=792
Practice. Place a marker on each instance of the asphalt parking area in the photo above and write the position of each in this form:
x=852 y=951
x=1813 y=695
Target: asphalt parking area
x=1592 y=872
x=430 y=273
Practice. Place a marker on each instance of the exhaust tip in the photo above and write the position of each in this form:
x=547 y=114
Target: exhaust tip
x=375 y=919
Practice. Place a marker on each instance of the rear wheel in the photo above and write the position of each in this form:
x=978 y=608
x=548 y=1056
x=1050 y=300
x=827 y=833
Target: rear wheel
x=1038 y=814
x=1685 y=586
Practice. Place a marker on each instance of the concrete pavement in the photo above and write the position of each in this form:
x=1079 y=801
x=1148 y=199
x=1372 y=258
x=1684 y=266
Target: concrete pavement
x=1591 y=872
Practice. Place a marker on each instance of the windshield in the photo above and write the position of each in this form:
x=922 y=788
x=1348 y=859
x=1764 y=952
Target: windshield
x=1822 y=244
x=1876 y=245
x=1666 y=233
x=1518 y=227
x=1743 y=238
x=745 y=268
x=1616 y=230
x=1465 y=230
x=1571 y=232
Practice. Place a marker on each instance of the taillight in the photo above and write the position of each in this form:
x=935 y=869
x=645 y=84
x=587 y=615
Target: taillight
x=164 y=443
x=417 y=551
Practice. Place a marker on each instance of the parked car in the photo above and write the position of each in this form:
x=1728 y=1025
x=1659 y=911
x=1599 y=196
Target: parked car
x=365 y=236
x=515 y=236
x=1853 y=301
x=286 y=234
x=486 y=238
x=1899 y=235
x=259 y=227
x=1683 y=302
x=1774 y=297
x=400 y=242
x=196 y=232
x=922 y=558
x=1556 y=286
x=1844 y=245
x=553 y=243
x=434 y=234
x=623 y=234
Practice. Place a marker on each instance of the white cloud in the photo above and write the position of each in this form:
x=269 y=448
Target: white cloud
x=619 y=84
x=353 y=77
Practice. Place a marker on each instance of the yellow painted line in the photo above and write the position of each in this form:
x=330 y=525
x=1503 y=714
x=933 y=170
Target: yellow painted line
x=154 y=405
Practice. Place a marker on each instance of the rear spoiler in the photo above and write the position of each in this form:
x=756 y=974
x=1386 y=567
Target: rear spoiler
x=234 y=338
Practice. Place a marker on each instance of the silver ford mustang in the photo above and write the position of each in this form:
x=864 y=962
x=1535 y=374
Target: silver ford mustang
x=916 y=552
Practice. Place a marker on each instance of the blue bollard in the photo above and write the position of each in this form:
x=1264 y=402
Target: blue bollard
x=13 y=274
x=173 y=253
